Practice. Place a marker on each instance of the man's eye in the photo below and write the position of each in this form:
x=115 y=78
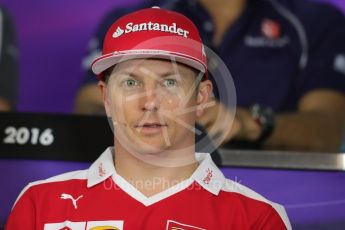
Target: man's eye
x=169 y=82
x=130 y=83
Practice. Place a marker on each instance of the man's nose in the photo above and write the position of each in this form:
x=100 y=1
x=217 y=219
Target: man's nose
x=151 y=101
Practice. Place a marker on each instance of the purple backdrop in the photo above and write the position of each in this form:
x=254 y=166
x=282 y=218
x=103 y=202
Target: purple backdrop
x=53 y=37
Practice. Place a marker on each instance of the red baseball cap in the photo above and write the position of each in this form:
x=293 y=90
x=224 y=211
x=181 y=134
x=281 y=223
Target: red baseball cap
x=152 y=33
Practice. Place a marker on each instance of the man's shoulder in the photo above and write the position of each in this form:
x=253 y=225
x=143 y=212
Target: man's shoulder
x=53 y=183
x=242 y=193
x=78 y=174
x=254 y=203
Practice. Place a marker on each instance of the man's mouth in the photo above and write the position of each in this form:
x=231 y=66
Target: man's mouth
x=151 y=128
x=151 y=125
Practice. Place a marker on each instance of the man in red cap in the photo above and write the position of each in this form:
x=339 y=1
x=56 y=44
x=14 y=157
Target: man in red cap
x=152 y=76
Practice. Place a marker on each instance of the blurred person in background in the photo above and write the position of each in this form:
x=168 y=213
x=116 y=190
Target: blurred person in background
x=287 y=59
x=8 y=63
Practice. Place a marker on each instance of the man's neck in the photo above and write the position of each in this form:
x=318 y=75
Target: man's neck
x=151 y=174
x=224 y=13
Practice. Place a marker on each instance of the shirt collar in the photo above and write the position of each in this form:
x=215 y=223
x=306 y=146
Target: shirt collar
x=101 y=169
x=207 y=175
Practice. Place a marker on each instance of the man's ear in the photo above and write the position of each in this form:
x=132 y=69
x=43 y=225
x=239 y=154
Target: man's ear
x=203 y=97
x=104 y=91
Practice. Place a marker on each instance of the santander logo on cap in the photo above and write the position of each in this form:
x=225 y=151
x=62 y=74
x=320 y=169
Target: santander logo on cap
x=118 y=32
x=152 y=32
x=150 y=26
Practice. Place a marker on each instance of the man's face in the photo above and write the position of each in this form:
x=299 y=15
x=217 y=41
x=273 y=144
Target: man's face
x=153 y=104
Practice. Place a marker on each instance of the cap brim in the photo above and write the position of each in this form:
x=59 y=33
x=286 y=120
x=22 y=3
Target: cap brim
x=106 y=61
